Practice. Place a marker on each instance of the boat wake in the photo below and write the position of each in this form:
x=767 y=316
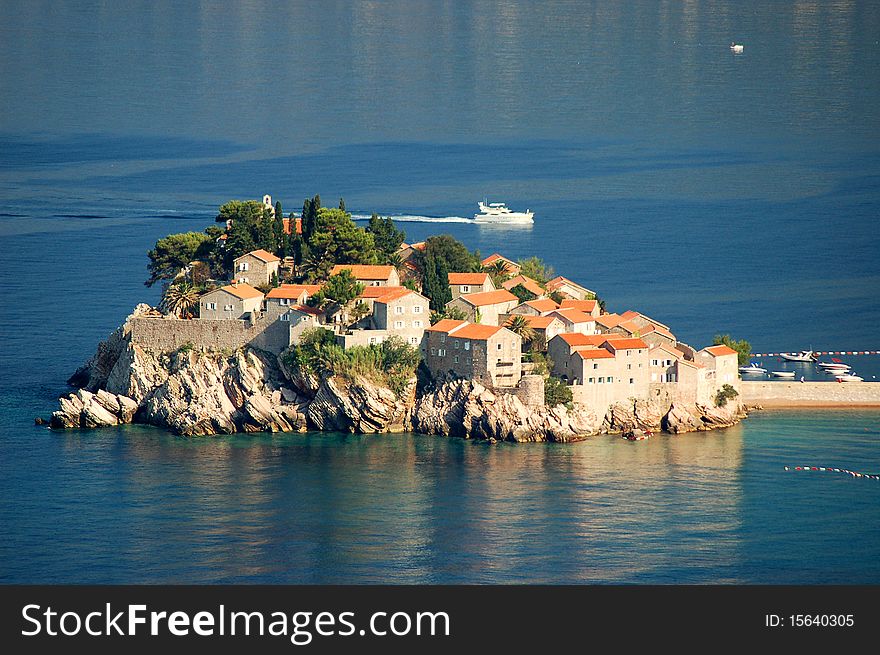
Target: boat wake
x=410 y=218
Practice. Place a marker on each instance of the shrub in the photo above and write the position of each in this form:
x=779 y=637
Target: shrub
x=556 y=392
x=724 y=394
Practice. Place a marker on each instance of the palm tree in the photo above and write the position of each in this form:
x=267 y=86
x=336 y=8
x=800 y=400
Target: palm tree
x=180 y=299
x=519 y=324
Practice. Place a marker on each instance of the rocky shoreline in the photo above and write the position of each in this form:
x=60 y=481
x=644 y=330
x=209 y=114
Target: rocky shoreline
x=197 y=392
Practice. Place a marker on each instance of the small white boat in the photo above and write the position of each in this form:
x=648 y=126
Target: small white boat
x=802 y=356
x=830 y=366
x=849 y=377
x=837 y=369
x=752 y=369
x=498 y=212
x=783 y=374
x=737 y=48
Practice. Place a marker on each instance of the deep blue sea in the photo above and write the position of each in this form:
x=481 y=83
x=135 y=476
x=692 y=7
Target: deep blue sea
x=713 y=191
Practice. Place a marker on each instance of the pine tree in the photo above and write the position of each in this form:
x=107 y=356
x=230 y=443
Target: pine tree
x=342 y=204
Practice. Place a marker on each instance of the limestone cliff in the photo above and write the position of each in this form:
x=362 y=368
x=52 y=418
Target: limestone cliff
x=196 y=392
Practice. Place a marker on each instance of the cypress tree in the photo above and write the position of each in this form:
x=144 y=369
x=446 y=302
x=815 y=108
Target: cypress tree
x=342 y=204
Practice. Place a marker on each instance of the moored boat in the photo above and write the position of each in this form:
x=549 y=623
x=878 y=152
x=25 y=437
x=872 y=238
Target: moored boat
x=752 y=369
x=849 y=377
x=802 y=356
x=783 y=374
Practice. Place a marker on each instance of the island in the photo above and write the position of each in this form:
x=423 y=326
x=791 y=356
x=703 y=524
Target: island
x=310 y=322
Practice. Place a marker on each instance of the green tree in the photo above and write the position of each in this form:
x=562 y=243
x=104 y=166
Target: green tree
x=497 y=270
x=742 y=347
x=342 y=204
x=556 y=392
x=241 y=239
x=236 y=210
x=341 y=288
x=180 y=299
x=338 y=240
x=386 y=235
x=435 y=282
x=522 y=293
x=536 y=269
x=172 y=253
x=725 y=393
x=452 y=252
x=310 y=218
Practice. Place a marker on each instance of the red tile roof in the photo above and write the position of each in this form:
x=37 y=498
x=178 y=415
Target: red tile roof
x=488 y=298
x=477 y=331
x=291 y=292
x=585 y=306
x=542 y=305
x=242 y=290
x=559 y=280
x=626 y=344
x=609 y=320
x=305 y=309
x=477 y=279
x=395 y=293
x=364 y=271
x=377 y=292
x=512 y=267
x=263 y=255
x=718 y=351
x=310 y=289
x=446 y=325
x=578 y=339
x=595 y=353
x=527 y=283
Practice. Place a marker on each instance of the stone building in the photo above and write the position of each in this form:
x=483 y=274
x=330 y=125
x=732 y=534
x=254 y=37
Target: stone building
x=370 y=275
x=256 y=268
x=464 y=283
x=230 y=302
x=526 y=283
x=487 y=307
x=590 y=307
x=300 y=318
x=537 y=307
x=281 y=299
x=488 y=354
x=574 y=320
x=569 y=289
x=544 y=327
x=403 y=312
x=724 y=361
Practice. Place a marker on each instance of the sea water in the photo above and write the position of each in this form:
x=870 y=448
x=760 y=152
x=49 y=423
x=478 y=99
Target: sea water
x=719 y=193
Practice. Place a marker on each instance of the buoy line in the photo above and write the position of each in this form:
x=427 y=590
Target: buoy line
x=829 y=469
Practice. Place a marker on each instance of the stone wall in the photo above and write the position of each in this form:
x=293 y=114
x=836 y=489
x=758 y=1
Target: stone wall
x=809 y=394
x=168 y=334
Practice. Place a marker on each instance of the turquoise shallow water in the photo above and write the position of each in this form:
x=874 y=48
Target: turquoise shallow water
x=137 y=505
x=719 y=193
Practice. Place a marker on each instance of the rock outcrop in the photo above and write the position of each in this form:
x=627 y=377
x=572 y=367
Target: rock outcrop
x=197 y=392
x=462 y=408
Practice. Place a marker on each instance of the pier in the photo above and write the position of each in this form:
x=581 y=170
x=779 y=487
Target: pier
x=810 y=394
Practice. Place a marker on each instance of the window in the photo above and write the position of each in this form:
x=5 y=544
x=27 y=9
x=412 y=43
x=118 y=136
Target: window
x=455 y=359
x=433 y=351
x=244 y=266
x=628 y=353
x=442 y=338
x=211 y=305
x=372 y=340
x=228 y=308
x=500 y=346
x=417 y=309
x=441 y=352
x=592 y=380
x=244 y=279
x=398 y=309
x=284 y=301
x=629 y=366
x=465 y=288
x=285 y=317
x=632 y=380
x=596 y=366
x=398 y=325
x=417 y=324
x=455 y=343
x=601 y=380
x=655 y=362
x=414 y=340
x=467 y=345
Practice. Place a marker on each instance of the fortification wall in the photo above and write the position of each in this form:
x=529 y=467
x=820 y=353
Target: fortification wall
x=810 y=394
x=168 y=334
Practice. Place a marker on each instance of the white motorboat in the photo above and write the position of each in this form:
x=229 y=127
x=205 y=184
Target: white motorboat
x=849 y=377
x=737 y=48
x=783 y=374
x=498 y=212
x=830 y=366
x=836 y=369
x=752 y=369
x=802 y=356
